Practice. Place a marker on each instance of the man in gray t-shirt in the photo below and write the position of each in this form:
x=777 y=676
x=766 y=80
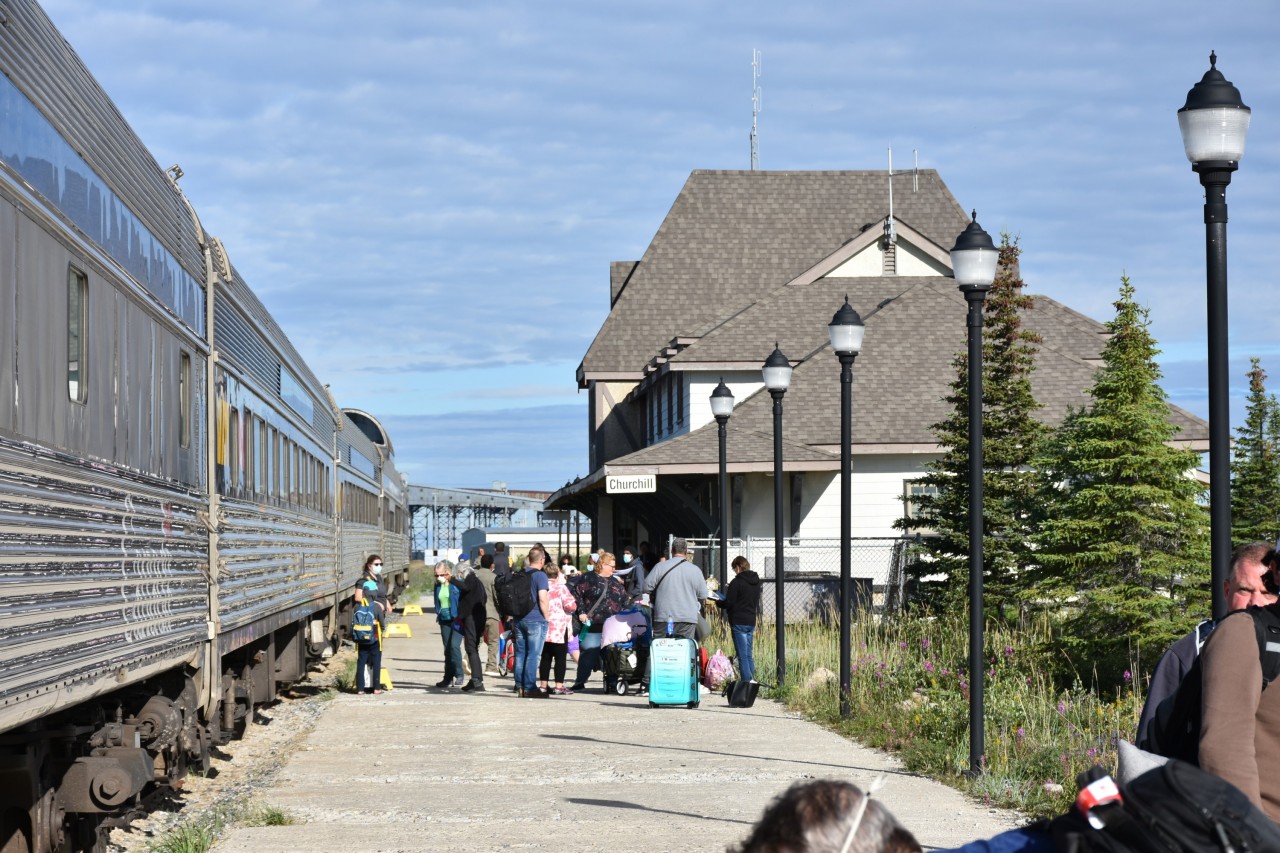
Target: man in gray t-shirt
x=677 y=589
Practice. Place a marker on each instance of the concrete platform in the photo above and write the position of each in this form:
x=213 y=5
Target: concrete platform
x=420 y=769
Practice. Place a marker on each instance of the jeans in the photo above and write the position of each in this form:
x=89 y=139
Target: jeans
x=452 y=639
x=371 y=654
x=588 y=656
x=743 y=636
x=530 y=635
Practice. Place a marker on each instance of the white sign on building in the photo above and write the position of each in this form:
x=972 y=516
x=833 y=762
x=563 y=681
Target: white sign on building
x=616 y=484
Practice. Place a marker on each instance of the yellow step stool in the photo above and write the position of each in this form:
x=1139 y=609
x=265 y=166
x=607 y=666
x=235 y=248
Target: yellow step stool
x=386 y=680
x=412 y=610
x=397 y=629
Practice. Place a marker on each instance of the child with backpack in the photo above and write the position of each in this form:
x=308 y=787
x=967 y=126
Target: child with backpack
x=366 y=631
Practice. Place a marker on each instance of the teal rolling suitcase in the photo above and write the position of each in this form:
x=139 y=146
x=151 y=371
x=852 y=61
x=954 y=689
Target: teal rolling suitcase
x=673 y=676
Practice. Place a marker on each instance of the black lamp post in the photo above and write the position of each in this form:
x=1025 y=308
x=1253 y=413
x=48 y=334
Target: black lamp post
x=845 y=331
x=1214 y=123
x=777 y=376
x=722 y=408
x=973 y=260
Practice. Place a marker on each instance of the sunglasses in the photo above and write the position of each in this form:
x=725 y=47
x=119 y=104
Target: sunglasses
x=376 y=565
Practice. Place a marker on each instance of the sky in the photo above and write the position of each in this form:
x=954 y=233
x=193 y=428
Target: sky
x=427 y=194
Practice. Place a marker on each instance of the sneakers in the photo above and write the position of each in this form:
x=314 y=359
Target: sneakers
x=535 y=693
x=563 y=691
x=459 y=682
x=473 y=687
x=492 y=673
x=643 y=691
x=443 y=685
x=578 y=686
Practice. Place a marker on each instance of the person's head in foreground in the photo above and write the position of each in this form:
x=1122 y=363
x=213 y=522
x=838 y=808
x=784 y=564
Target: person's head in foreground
x=827 y=816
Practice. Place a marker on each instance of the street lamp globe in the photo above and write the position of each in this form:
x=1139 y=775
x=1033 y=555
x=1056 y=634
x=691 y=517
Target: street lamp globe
x=974 y=257
x=845 y=330
x=777 y=370
x=721 y=401
x=1214 y=122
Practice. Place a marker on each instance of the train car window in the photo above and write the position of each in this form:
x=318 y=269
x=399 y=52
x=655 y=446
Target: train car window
x=233 y=452
x=77 y=335
x=273 y=485
x=184 y=399
x=264 y=458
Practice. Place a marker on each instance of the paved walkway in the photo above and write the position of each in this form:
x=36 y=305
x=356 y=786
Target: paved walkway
x=420 y=769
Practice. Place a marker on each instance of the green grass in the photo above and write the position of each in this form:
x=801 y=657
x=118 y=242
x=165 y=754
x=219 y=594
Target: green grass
x=199 y=835
x=909 y=693
x=346 y=677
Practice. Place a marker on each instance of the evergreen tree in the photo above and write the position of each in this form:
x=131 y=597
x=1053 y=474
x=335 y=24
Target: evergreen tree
x=1011 y=435
x=1255 y=466
x=1125 y=539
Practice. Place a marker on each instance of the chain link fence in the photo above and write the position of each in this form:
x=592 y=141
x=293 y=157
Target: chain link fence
x=811 y=572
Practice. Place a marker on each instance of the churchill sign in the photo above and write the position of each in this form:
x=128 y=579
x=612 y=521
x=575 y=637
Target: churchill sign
x=616 y=484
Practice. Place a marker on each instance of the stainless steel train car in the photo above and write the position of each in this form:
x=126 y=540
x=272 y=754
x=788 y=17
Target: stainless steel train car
x=184 y=509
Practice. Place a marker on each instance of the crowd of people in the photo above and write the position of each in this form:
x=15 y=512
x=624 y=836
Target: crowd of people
x=563 y=629
x=569 y=608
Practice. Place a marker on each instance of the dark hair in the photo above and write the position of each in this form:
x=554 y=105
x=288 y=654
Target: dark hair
x=740 y=561
x=499 y=546
x=815 y=817
x=369 y=561
x=486 y=562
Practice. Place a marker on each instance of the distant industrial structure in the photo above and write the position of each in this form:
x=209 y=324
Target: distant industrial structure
x=439 y=516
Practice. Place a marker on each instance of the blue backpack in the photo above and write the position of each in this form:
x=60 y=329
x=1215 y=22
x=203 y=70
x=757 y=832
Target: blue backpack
x=364 y=623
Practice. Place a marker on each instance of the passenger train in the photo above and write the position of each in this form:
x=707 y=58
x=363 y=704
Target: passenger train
x=184 y=508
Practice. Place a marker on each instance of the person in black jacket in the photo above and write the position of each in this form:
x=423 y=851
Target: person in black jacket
x=473 y=613
x=741 y=605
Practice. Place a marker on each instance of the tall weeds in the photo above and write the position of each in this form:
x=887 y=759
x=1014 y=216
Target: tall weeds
x=909 y=693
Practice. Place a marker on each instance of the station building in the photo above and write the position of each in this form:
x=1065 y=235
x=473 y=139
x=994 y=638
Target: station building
x=747 y=259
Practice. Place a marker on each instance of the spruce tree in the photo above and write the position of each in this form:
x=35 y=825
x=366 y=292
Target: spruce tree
x=1124 y=545
x=1011 y=435
x=1255 y=466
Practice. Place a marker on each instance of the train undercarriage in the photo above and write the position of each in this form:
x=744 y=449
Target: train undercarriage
x=68 y=778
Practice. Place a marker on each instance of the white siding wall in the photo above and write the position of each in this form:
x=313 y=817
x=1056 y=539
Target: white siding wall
x=868 y=262
x=912 y=261
x=698 y=387
x=876 y=491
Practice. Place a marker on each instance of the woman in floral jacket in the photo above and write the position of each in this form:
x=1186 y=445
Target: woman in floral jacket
x=599 y=595
x=561 y=604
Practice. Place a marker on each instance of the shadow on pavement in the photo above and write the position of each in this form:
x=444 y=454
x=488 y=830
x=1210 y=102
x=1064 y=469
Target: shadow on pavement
x=720 y=752
x=619 y=804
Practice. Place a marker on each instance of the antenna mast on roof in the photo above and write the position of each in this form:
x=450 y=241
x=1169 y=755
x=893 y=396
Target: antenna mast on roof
x=756 y=101
x=915 y=170
x=890 y=232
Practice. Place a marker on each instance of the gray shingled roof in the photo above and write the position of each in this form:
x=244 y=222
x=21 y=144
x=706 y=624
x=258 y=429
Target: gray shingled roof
x=905 y=367
x=742 y=446
x=730 y=238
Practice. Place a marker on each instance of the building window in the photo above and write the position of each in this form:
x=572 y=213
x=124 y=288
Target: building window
x=912 y=491
x=77 y=335
x=671 y=402
x=680 y=399
x=184 y=399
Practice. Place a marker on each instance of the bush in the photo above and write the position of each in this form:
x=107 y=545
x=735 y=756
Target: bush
x=909 y=693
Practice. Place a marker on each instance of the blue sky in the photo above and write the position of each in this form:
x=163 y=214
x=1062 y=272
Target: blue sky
x=427 y=195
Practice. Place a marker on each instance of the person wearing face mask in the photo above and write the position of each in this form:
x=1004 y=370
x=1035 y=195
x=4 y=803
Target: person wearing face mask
x=372 y=586
x=631 y=571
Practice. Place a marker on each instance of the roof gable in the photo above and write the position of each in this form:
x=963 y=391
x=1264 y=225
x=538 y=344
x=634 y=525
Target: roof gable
x=732 y=237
